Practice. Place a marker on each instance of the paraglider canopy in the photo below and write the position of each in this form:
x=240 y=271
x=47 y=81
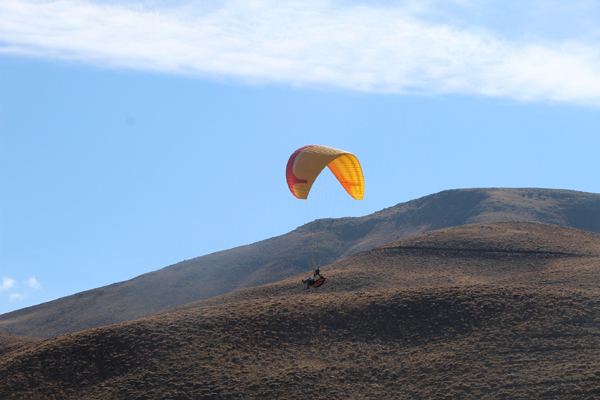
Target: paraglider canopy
x=306 y=163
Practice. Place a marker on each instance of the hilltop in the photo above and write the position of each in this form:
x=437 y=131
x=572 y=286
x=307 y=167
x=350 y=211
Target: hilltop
x=485 y=311
x=284 y=256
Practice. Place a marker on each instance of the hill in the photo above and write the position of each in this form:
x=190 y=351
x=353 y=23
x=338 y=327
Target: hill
x=285 y=256
x=518 y=319
x=457 y=256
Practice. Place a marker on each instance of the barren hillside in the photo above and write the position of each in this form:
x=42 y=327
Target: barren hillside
x=518 y=319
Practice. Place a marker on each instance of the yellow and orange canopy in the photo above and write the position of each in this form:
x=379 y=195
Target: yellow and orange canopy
x=306 y=163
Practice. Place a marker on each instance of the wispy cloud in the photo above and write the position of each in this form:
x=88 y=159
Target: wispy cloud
x=33 y=283
x=17 y=296
x=402 y=47
x=7 y=284
x=12 y=286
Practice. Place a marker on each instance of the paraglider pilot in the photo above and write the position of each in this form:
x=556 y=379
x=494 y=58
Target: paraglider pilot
x=311 y=280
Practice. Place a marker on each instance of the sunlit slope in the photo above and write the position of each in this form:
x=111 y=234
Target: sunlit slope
x=285 y=256
x=527 y=253
x=472 y=342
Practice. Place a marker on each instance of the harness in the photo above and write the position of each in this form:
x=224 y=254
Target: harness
x=318 y=282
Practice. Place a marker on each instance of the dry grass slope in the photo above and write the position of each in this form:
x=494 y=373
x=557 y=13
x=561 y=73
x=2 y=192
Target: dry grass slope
x=519 y=252
x=9 y=342
x=522 y=322
x=469 y=343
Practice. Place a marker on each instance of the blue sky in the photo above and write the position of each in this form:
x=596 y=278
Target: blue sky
x=134 y=135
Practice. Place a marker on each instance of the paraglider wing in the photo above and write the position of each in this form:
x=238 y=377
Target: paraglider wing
x=306 y=163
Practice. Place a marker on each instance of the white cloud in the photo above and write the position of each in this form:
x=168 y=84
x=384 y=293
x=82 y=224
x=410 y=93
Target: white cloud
x=7 y=284
x=402 y=47
x=17 y=296
x=33 y=283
